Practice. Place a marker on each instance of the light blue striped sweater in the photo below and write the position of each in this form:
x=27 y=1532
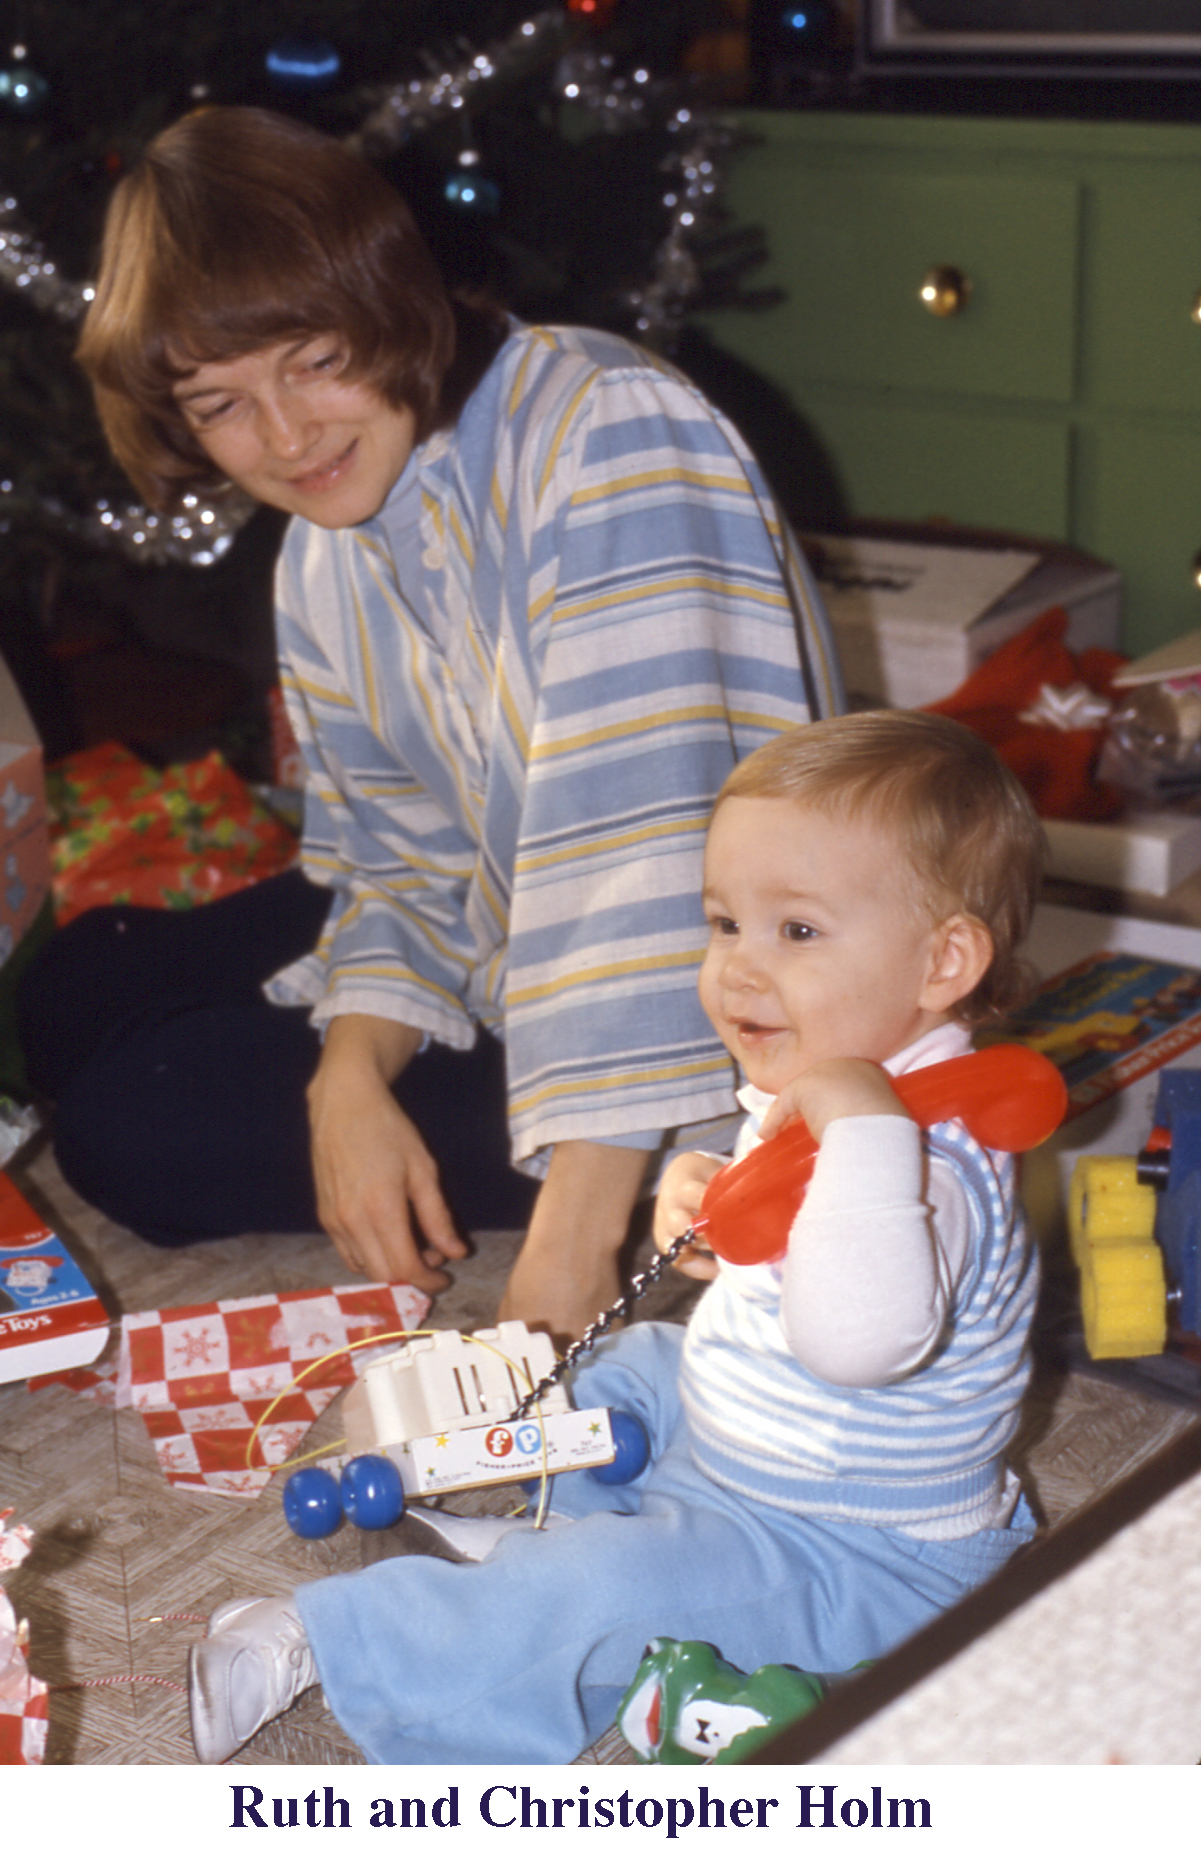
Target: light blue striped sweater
x=517 y=691
x=922 y=1453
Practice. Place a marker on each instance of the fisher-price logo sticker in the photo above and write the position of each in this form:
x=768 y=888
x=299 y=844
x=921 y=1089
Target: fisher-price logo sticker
x=499 y=1441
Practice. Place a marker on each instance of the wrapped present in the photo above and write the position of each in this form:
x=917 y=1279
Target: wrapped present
x=205 y=1377
x=124 y=833
x=287 y=759
x=23 y=1699
x=1026 y=701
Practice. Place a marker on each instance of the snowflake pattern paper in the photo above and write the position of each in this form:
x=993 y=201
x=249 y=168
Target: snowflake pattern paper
x=24 y=1701
x=203 y=1377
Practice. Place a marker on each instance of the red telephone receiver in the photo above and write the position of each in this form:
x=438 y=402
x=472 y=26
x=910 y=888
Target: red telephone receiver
x=1009 y=1097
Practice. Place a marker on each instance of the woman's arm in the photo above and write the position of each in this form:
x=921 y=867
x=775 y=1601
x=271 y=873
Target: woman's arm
x=378 y=1195
x=380 y=1201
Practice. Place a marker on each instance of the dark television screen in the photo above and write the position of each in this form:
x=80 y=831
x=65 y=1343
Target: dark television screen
x=1064 y=37
x=1071 y=18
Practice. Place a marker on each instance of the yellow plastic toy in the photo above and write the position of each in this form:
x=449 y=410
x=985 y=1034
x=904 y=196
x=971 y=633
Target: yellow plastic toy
x=1123 y=1288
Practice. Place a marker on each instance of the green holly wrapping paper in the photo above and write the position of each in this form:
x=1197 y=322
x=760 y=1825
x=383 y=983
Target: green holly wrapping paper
x=124 y=833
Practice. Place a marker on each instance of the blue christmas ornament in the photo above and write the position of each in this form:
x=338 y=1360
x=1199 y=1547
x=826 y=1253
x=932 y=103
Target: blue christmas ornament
x=312 y=1503
x=372 y=1492
x=631 y=1450
x=23 y=90
x=301 y=65
x=805 y=22
x=473 y=192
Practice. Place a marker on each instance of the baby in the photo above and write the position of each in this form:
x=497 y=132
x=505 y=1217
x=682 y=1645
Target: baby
x=828 y=1432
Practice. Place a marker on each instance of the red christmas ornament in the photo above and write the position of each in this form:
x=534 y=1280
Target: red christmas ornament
x=597 y=13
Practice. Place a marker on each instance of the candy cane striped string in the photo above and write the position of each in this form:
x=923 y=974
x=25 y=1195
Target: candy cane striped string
x=116 y=1681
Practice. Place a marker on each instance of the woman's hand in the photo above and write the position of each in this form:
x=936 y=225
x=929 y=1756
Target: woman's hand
x=677 y=1206
x=832 y=1090
x=378 y=1196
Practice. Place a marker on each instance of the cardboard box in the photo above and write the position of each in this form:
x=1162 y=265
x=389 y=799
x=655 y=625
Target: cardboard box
x=24 y=835
x=1143 y=852
x=913 y=617
x=51 y=1318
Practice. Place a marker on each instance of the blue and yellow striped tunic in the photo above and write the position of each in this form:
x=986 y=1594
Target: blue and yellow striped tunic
x=517 y=690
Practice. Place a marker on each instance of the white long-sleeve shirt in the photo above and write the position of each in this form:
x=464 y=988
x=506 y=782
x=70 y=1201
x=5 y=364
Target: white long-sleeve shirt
x=852 y=1311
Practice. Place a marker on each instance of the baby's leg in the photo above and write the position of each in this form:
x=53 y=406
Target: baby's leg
x=524 y=1658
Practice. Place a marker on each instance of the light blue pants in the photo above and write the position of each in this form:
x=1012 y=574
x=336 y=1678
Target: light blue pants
x=524 y=1658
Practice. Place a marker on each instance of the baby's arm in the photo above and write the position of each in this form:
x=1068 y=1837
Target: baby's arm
x=880 y=1241
x=678 y=1204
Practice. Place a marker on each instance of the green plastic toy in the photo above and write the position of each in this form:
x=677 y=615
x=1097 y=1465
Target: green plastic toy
x=687 y=1706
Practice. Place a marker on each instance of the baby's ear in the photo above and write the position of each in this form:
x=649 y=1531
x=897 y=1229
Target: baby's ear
x=961 y=950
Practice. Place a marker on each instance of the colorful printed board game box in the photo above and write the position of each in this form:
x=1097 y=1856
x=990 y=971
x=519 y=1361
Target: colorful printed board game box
x=50 y=1315
x=1108 y=1021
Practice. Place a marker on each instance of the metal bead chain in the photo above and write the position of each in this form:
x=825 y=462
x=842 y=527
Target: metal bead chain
x=603 y=1321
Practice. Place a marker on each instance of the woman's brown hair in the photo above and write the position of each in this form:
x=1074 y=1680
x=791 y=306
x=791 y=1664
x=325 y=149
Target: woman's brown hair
x=238 y=229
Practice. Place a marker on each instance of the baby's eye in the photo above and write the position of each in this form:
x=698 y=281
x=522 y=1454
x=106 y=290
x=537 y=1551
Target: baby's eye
x=720 y=927
x=797 y=932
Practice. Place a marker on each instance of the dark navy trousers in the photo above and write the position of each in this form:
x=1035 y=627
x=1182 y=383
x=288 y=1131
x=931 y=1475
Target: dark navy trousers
x=179 y=1091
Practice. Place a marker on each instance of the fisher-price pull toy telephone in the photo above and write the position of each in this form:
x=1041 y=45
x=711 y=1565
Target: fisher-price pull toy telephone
x=1009 y=1097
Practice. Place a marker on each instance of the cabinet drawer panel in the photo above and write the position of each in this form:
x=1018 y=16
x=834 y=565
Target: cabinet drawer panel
x=1145 y=514
x=1003 y=472
x=1144 y=348
x=851 y=250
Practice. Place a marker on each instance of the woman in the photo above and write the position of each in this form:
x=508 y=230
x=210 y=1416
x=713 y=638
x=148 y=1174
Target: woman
x=535 y=601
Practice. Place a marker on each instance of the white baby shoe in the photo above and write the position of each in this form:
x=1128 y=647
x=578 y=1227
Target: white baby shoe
x=464 y=1539
x=252 y=1665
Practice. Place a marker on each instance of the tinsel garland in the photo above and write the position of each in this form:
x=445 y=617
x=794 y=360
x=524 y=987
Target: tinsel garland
x=198 y=534
x=584 y=77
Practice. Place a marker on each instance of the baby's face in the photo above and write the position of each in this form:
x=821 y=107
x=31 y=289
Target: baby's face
x=29 y=1277
x=818 y=948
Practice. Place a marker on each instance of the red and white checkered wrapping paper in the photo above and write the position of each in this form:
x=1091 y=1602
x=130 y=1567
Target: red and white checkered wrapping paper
x=202 y=1377
x=24 y=1701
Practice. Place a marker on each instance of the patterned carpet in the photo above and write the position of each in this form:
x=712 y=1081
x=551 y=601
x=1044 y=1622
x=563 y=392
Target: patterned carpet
x=123 y=1565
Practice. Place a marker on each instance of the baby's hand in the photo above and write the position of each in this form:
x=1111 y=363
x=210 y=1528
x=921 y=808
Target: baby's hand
x=678 y=1205
x=832 y=1090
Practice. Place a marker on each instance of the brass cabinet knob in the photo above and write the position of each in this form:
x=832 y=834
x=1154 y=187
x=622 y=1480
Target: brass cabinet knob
x=945 y=291
x=1197 y=570
x=1195 y=308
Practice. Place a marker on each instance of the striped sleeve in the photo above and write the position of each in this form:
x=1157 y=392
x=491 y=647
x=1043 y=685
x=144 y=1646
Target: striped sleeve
x=671 y=652
x=397 y=854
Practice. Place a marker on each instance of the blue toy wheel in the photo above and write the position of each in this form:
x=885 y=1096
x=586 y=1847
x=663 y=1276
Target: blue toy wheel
x=372 y=1492
x=632 y=1450
x=312 y=1503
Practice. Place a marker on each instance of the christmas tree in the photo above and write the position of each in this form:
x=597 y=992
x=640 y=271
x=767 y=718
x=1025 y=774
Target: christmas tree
x=569 y=160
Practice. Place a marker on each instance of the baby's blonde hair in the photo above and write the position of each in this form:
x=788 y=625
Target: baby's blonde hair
x=963 y=823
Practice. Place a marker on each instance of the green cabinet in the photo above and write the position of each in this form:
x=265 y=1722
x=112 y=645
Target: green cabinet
x=1060 y=392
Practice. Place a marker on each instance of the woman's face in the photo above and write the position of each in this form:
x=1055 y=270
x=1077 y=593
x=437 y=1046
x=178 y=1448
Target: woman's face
x=292 y=430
